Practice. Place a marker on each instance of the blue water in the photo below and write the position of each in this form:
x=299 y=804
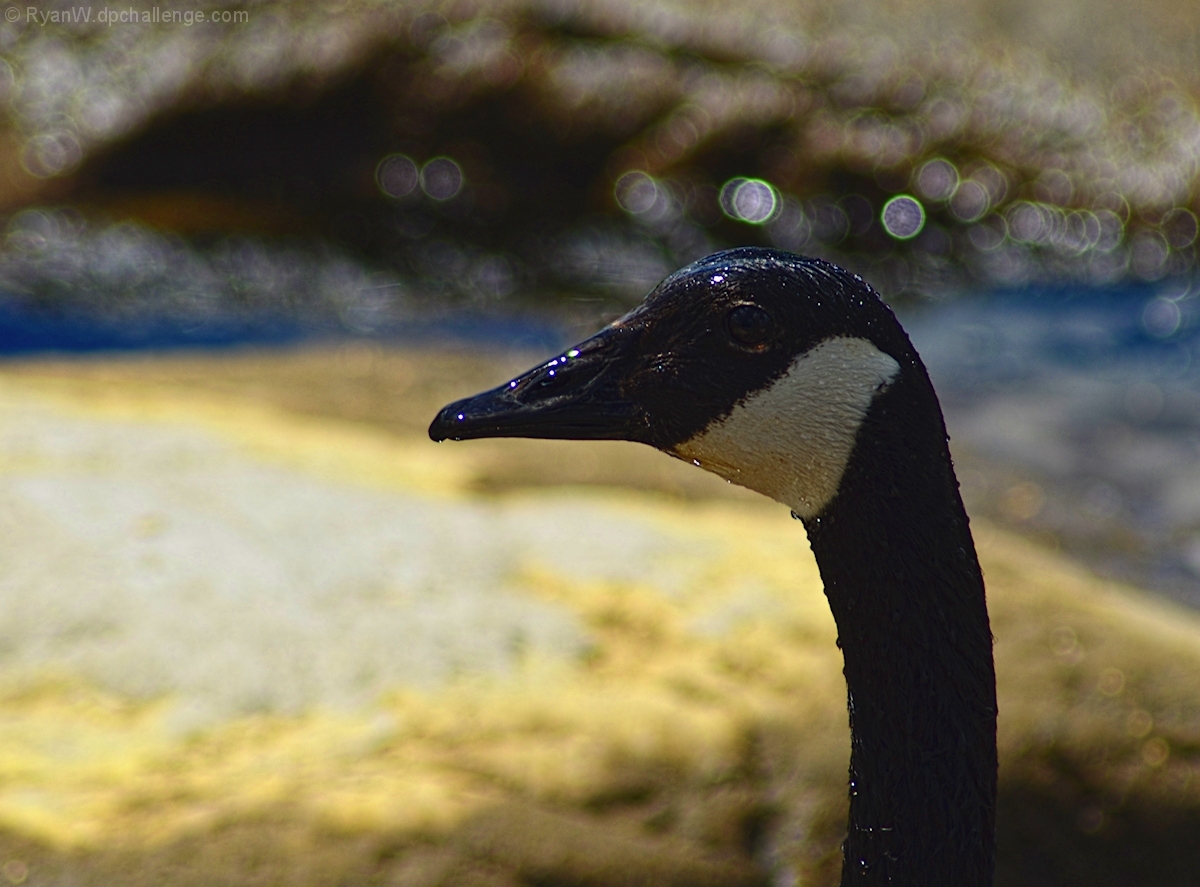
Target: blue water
x=985 y=339
x=1074 y=413
x=26 y=332
x=1008 y=337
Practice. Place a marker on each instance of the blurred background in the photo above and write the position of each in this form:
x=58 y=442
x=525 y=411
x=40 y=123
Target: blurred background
x=249 y=249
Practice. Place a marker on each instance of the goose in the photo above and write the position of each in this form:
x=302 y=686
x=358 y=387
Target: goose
x=791 y=377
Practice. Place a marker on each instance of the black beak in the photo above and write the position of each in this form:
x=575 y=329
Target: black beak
x=578 y=395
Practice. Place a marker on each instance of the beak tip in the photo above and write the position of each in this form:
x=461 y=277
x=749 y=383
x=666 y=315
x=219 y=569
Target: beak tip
x=443 y=426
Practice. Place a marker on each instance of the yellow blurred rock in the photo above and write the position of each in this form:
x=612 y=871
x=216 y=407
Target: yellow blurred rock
x=707 y=666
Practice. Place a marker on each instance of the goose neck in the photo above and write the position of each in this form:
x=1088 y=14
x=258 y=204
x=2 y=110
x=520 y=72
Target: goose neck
x=900 y=572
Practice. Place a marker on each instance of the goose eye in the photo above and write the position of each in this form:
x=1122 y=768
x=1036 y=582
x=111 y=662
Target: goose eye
x=750 y=325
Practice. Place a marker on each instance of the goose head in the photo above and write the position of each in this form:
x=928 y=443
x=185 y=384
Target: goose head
x=757 y=365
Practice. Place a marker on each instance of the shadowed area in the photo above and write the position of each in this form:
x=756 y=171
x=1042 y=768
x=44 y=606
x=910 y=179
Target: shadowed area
x=350 y=169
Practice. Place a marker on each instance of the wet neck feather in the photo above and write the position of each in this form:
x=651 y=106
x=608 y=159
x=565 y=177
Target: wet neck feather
x=900 y=571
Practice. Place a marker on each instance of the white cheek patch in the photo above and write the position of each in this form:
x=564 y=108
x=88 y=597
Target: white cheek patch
x=792 y=441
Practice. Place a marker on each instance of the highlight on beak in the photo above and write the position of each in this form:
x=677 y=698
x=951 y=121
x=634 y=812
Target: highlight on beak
x=575 y=396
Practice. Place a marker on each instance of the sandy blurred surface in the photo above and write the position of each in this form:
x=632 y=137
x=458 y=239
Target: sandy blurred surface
x=259 y=630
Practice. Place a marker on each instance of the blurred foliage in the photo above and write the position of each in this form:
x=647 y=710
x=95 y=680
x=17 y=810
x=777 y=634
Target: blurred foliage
x=486 y=149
